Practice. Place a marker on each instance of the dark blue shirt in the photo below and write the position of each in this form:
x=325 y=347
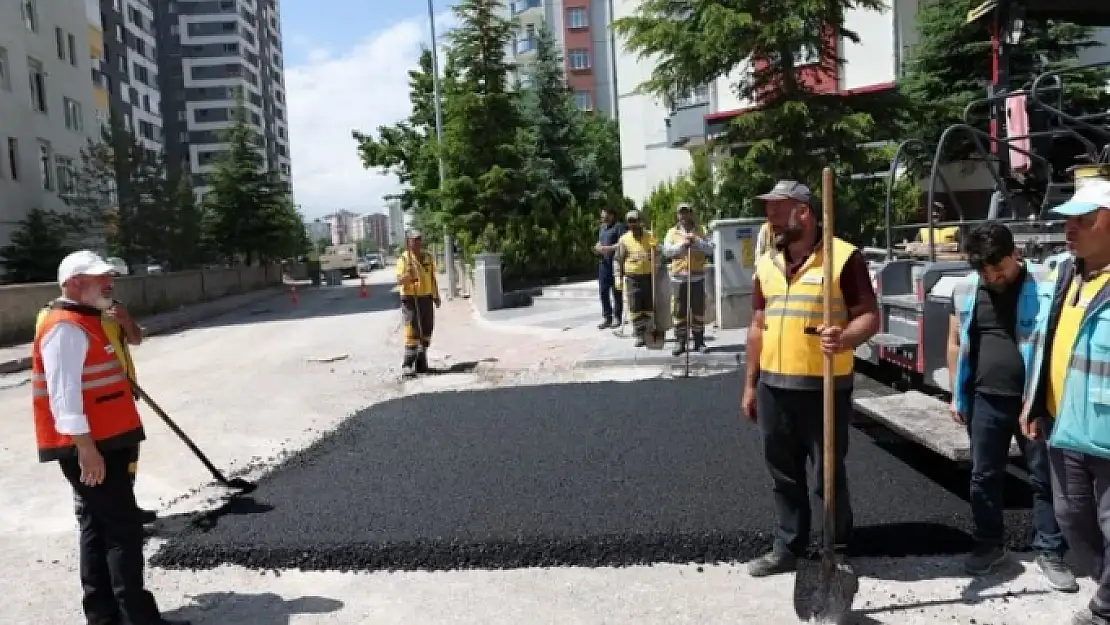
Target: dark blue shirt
x=609 y=235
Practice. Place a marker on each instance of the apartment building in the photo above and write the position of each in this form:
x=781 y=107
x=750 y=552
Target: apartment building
x=581 y=31
x=397 y=223
x=372 y=230
x=341 y=226
x=217 y=54
x=94 y=32
x=46 y=105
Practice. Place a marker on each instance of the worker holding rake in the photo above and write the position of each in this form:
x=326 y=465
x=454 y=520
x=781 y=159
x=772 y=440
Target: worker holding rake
x=688 y=247
x=416 y=275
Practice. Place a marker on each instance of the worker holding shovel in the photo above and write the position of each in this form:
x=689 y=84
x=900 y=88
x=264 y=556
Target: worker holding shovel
x=789 y=341
x=416 y=275
x=688 y=247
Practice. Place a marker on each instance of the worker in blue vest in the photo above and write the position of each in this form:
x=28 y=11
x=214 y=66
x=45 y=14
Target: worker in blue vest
x=995 y=314
x=1068 y=397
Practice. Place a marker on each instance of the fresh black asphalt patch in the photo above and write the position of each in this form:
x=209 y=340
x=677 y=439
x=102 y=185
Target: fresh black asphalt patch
x=602 y=474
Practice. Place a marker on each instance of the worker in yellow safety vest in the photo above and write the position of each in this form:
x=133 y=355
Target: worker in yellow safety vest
x=635 y=255
x=948 y=235
x=416 y=276
x=687 y=245
x=122 y=332
x=786 y=348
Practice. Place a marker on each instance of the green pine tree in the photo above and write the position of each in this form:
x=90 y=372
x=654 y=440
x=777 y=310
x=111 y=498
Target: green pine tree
x=38 y=244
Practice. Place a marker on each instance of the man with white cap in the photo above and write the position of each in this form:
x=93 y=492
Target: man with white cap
x=86 y=419
x=786 y=347
x=1068 y=394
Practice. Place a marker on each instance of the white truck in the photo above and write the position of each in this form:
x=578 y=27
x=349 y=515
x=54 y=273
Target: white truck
x=342 y=258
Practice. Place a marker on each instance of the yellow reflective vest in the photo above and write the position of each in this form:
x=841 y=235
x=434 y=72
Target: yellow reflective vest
x=675 y=236
x=425 y=271
x=638 y=253
x=115 y=336
x=940 y=235
x=791 y=358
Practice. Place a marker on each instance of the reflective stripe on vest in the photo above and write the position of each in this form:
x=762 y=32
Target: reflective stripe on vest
x=638 y=253
x=790 y=358
x=678 y=267
x=1032 y=309
x=106 y=395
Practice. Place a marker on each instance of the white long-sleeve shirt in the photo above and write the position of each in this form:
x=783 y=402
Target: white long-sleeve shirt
x=63 y=361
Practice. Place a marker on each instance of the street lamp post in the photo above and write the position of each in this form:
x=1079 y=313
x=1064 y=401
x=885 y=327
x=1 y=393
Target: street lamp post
x=448 y=240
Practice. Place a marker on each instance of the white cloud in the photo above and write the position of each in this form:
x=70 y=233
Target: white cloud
x=335 y=92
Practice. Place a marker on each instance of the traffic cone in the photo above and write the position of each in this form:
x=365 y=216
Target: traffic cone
x=293 y=294
x=362 y=289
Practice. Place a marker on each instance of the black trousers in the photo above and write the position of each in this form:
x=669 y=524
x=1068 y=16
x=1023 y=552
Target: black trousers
x=419 y=314
x=793 y=432
x=694 y=319
x=1081 y=493
x=611 y=309
x=640 y=301
x=111 y=544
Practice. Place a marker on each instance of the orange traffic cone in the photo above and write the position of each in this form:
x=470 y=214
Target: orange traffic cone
x=362 y=289
x=293 y=295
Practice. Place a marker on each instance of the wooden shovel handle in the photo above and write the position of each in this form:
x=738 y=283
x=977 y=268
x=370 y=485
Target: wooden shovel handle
x=829 y=412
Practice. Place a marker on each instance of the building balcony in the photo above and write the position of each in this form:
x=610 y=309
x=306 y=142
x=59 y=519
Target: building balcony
x=686 y=125
x=527 y=10
x=525 y=47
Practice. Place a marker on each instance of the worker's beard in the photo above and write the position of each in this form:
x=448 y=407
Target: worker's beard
x=97 y=298
x=789 y=233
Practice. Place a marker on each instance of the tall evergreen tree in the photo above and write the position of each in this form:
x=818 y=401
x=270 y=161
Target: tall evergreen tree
x=39 y=242
x=795 y=131
x=486 y=182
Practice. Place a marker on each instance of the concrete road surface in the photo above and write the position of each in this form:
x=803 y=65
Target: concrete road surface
x=256 y=385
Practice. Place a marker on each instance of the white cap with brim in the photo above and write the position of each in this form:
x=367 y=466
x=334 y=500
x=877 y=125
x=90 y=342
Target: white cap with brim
x=1088 y=199
x=83 y=263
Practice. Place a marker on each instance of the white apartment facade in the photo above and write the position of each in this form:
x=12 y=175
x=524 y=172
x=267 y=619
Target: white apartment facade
x=581 y=32
x=396 y=222
x=46 y=105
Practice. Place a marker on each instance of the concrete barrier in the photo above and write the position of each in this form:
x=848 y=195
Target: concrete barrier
x=143 y=295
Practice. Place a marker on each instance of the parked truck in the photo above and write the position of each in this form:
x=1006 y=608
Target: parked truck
x=342 y=258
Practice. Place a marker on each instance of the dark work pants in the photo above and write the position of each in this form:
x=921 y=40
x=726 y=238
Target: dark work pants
x=419 y=315
x=1081 y=488
x=693 y=319
x=793 y=430
x=111 y=546
x=992 y=424
x=612 y=305
x=641 y=309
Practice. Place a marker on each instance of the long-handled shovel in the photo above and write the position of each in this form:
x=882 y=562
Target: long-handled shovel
x=653 y=338
x=238 y=483
x=689 y=310
x=416 y=298
x=823 y=593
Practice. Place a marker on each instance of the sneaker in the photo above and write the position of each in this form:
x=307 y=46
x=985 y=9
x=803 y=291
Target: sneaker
x=1086 y=617
x=984 y=559
x=1056 y=571
x=408 y=371
x=773 y=563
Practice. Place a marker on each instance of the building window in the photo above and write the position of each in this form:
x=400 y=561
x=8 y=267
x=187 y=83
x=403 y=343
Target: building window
x=578 y=58
x=577 y=17
x=807 y=55
x=74 y=120
x=119 y=34
x=5 y=71
x=60 y=40
x=146 y=103
x=72 y=50
x=13 y=158
x=44 y=166
x=37 y=79
x=584 y=100
x=65 y=172
x=30 y=15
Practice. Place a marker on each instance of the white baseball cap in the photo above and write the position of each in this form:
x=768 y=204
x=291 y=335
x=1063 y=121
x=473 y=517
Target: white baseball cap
x=1088 y=199
x=82 y=263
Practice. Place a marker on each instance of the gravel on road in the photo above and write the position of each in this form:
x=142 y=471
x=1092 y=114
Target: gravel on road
x=598 y=474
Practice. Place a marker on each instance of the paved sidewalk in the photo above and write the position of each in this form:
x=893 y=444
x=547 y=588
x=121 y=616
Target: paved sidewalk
x=18 y=357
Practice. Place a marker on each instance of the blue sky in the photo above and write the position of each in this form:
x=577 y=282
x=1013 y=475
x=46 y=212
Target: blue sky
x=347 y=64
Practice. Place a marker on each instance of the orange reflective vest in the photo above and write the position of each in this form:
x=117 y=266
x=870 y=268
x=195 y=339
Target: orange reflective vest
x=106 y=394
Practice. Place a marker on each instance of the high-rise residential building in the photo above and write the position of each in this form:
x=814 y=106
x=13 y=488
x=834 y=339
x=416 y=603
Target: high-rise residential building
x=95 y=35
x=396 y=223
x=216 y=55
x=372 y=230
x=580 y=29
x=342 y=224
x=46 y=105
x=128 y=70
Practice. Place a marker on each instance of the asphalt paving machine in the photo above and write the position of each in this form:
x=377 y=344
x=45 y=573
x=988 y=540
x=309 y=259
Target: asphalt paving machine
x=1037 y=150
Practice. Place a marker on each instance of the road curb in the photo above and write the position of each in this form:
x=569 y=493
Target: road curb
x=170 y=321
x=714 y=362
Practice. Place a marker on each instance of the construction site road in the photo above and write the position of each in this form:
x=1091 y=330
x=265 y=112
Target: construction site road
x=507 y=460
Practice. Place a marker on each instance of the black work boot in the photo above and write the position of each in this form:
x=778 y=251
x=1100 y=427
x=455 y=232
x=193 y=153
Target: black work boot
x=640 y=338
x=773 y=563
x=408 y=365
x=680 y=345
x=422 y=361
x=699 y=343
x=147 y=517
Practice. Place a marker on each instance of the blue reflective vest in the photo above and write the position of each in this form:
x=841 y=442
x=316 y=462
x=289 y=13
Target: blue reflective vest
x=1031 y=314
x=1082 y=423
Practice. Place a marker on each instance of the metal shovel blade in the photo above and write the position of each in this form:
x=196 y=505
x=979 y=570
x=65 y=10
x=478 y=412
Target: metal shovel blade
x=824 y=590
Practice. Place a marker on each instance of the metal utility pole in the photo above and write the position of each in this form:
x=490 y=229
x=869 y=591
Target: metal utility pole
x=448 y=240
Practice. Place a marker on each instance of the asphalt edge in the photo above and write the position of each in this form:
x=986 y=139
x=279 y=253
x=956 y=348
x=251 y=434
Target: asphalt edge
x=173 y=321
